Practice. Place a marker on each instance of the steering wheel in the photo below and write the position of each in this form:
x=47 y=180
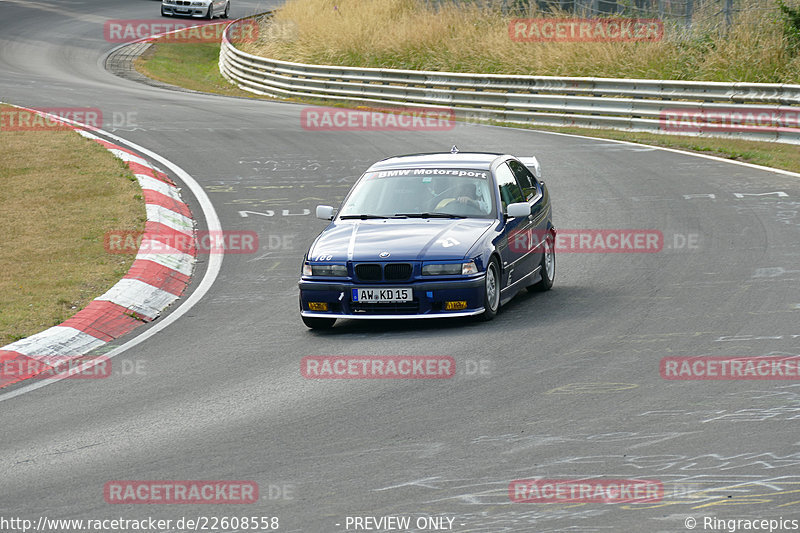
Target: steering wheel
x=454 y=207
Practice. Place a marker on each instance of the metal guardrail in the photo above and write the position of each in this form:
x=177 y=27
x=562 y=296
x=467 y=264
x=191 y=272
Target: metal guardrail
x=626 y=104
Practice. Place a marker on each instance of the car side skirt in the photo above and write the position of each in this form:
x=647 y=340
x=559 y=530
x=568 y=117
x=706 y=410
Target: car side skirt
x=526 y=277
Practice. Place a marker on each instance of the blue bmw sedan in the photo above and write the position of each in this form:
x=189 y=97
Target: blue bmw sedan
x=431 y=236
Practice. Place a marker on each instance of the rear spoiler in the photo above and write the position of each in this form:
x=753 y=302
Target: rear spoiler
x=533 y=165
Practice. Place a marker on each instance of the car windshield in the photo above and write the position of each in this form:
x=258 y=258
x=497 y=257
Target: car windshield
x=421 y=193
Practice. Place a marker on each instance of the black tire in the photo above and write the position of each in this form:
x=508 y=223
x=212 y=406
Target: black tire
x=491 y=291
x=210 y=15
x=318 y=323
x=227 y=10
x=548 y=267
x=163 y=14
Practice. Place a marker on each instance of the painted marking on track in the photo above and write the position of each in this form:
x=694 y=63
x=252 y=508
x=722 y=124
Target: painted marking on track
x=779 y=194
x=592 y=388
x=275 y=201
x=271 y=213
x=513 y=442
x=743 y=338
x=693 y=196
x=773 y=272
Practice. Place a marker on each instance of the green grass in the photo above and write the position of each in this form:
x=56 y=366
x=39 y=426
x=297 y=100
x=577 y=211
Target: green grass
x=189 y=65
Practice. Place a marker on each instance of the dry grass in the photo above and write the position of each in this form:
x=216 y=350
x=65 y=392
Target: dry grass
x=60 y=194
x=471 y=38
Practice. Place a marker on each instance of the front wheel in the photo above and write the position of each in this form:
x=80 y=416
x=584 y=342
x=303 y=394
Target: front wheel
x=210 y=14
x=318 y=323
x=547 y=268
x=491 y=291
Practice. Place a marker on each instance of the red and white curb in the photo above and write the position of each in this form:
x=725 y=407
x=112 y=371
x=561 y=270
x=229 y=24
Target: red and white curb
x=154 y=281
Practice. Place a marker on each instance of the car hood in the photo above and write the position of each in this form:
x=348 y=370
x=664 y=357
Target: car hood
x=402 y=239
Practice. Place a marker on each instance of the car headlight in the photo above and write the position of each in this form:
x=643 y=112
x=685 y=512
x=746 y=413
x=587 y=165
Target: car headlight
x=449 y=269
x=469 y=268
x=325 y=270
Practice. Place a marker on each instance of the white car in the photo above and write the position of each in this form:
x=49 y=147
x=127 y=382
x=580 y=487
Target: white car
x=196 y=8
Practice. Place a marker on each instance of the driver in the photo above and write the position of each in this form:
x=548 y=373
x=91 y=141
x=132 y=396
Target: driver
x=464 y=195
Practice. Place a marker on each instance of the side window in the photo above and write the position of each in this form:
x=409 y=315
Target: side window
x=525 y=178
x=510 y=192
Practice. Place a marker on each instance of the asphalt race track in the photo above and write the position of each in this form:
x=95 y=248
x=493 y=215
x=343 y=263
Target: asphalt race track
x=561 y=385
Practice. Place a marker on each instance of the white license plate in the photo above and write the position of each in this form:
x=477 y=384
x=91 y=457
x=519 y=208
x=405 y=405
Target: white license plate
x=382 y=295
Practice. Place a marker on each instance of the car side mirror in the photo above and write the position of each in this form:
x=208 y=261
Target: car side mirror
x=325 y=212
x=519 y=209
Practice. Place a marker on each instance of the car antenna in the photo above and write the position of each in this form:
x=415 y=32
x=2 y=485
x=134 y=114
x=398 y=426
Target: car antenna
x=454 y=149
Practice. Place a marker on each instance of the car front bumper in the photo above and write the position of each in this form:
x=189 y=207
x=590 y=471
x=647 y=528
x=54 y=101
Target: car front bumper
x=429 y=298
x=184 y=11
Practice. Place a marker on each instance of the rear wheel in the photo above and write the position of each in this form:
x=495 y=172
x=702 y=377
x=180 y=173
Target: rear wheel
x=318 y=323
x=547 y=267
x=491 y=291
x=227 y=10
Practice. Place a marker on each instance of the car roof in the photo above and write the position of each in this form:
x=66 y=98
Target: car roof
x=476 y=160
